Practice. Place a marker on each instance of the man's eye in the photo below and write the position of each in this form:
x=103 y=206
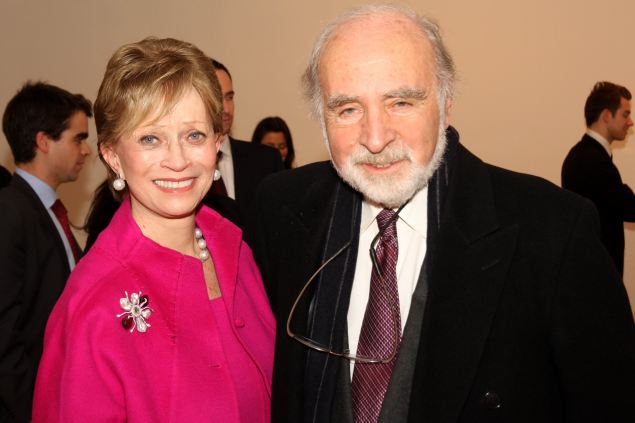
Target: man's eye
x=347 y=111
x=402 y=104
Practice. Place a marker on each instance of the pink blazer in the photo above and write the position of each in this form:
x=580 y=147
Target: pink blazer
x=94 y=370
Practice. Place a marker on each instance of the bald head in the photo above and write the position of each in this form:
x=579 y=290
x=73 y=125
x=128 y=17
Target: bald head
x=407 y=23
x=382 y=101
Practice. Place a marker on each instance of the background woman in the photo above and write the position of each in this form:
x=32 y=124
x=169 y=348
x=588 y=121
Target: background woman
x=274 y=132
x=165 y=318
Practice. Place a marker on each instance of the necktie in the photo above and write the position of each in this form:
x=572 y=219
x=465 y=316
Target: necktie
x=218 y=187
x=62 y=216
x=381 y=327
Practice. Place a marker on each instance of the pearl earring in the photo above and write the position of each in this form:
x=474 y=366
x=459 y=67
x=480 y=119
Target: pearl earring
x=217 y=175
x=119 y=184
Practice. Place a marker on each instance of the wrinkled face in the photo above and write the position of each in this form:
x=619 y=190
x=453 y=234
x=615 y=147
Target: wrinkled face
x=381 y=111
x=619 y=124
x=277 y=141
x=168 y=164
x=67 y=154
x=227 y=89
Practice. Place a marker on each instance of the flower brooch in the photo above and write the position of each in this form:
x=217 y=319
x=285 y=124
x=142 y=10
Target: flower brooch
x=136 y=312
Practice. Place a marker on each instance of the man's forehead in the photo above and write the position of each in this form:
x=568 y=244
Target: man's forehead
x=373 y=39
x=378 y=68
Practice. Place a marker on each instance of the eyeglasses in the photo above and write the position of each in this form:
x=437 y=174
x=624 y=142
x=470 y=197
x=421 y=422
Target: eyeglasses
x=347 y=354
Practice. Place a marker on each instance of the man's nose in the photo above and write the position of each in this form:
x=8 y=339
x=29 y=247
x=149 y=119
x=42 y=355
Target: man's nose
x=86 y=150
x=378 y=131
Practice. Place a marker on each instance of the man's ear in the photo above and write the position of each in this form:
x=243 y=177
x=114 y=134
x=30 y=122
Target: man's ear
x=111 y=157
x=448 y=108
x=606 y=115
x=42 y=141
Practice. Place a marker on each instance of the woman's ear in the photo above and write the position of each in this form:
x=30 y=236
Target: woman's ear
x=111 y=157
x=219 y=141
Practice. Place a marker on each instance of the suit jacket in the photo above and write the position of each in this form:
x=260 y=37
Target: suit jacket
x=252 y=163
x=589 y=171
x=526 y=318
x=5 y=177
x=33 y=272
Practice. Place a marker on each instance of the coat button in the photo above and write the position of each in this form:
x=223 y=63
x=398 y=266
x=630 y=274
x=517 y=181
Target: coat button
x=239 y=322
x=492 y=400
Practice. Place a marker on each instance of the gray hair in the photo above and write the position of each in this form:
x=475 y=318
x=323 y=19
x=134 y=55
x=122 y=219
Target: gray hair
x=445 y=71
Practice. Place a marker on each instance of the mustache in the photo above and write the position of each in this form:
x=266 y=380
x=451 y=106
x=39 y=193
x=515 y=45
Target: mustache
x=388 y=155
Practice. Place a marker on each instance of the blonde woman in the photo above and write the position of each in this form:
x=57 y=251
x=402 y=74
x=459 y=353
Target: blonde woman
x=165 y=319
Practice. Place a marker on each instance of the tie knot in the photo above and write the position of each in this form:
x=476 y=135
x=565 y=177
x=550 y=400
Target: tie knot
x=386 y=218
x=58 y=208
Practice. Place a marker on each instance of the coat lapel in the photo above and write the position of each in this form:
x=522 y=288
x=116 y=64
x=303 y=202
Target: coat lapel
x=21 y=185
x=468 y=269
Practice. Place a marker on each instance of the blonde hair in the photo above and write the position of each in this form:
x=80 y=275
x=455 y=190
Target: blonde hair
x=149 y=74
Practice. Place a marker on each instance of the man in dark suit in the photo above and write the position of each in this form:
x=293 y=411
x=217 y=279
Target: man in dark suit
x=413 y=282
x=46 y=128
x=589 y=171
x=242 y=164
x=5 y=176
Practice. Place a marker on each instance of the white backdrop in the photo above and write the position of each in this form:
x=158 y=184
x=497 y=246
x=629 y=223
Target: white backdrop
x=525 y=67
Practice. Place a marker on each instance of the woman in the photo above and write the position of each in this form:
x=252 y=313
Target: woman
x=274 y=132
x=165 y=319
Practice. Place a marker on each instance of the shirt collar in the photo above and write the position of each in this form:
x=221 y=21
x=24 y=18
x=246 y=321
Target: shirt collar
x=45 y=193
x=225 y=147
x=411 y=214
x=603 y=141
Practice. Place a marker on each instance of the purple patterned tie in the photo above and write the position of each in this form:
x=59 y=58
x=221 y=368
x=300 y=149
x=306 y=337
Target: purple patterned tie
x=381 y=327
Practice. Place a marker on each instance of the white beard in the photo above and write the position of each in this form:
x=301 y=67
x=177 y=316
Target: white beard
x=390 y=191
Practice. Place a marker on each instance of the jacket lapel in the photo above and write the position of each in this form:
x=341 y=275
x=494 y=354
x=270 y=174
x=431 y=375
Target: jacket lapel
x=473 y=253
x=21 y=185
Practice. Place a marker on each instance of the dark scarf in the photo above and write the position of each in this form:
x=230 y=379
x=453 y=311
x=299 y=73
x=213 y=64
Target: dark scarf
x=331 y=296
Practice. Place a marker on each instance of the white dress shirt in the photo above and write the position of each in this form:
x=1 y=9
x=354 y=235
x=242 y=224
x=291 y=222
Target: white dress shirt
x=226 y=167
x=411 y=238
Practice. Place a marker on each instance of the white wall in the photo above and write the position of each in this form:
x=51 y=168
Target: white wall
x=525 y=67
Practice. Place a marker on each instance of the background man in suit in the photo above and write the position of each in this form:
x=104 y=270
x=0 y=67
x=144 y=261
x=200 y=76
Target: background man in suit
x=242 y=164
x=46 y=128
x=5 y=176
x=588 y=169
x=485 y=295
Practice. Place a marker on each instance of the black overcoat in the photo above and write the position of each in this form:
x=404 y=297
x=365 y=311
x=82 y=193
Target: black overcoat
x=527 y=319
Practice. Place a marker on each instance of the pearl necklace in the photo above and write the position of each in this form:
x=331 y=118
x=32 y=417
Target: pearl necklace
x=200 y=241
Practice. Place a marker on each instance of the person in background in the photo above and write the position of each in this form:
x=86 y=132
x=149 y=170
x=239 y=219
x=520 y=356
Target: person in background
x=411 y=281
x=5 y=176
x=47 y=130
x=242 y=164
x=274 y=132
x=589 y=170
x=165 y=319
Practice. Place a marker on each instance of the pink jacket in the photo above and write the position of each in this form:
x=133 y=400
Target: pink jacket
x=94 y=370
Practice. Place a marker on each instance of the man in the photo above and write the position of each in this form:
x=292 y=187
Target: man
x=5 y=176
x=485 y=296
x=589 y=171
x=242 y=164
x=46 y=128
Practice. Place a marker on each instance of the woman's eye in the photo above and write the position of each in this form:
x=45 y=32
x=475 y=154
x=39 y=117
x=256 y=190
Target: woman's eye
x=197 y=136
x=148 y=140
